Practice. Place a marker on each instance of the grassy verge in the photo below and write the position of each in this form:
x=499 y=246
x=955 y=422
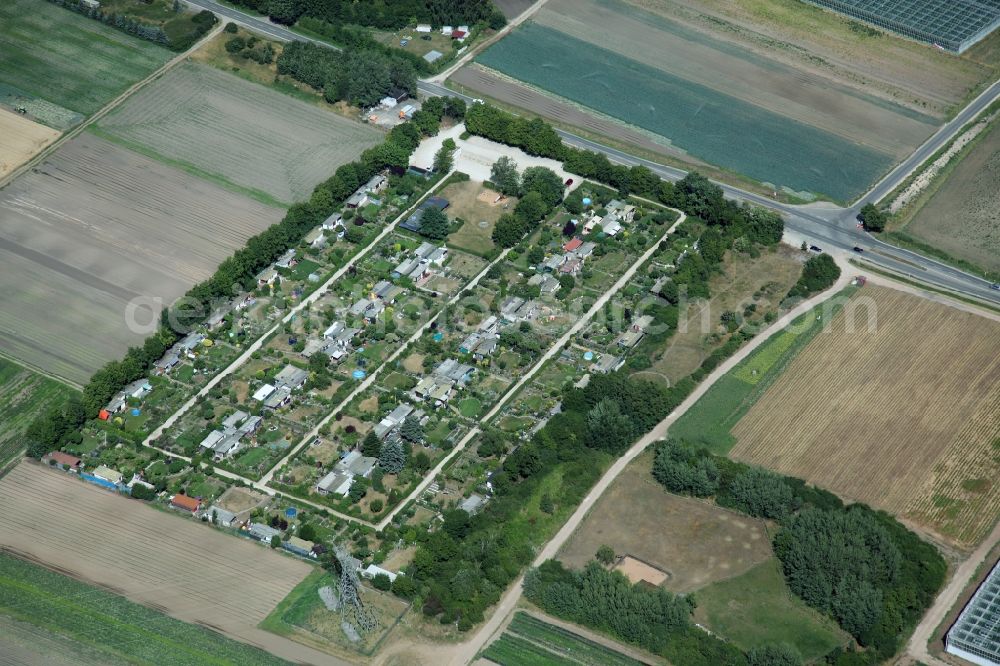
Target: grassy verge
x=126 y=632
x=557 y=641
x=757 y=608
x=709 y=421
x=221 y=181
x=910 y=242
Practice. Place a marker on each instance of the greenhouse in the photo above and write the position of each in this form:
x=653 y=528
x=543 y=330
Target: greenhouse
x=954 y=25
x=975 y=636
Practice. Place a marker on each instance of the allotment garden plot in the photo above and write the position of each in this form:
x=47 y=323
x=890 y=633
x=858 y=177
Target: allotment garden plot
x=904 y=417
x=725 y=105
x=239 y=132
x=68 y=60
x=97 y=227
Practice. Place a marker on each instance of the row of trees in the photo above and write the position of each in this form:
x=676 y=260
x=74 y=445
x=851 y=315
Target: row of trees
x=540 y=190
x=861 y=567
x=200 y=24
x=380 y=14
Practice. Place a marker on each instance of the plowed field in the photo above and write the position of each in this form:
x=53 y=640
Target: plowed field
x=905 y=417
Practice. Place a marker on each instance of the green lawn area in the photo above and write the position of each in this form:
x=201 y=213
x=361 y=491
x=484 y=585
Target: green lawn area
x=710 y=420
x=757 y=608
x=24 y=395
x=185 y=373
x=398 y=380
x=470 y=407
x=68 y=59
x=253 y=457
x=439 y=433
x=121 y=631
x=303 y=269
x=515 y=423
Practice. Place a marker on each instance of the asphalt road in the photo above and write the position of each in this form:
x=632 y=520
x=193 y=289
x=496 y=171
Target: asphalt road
x=828 y=227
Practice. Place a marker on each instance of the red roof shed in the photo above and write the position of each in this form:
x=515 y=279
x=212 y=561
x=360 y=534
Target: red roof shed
x=64 y=459
x=573 y=244
x=184 y=502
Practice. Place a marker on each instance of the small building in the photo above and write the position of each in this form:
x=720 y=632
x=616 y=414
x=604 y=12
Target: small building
x=138 y=389
x=167 y=363
x=373 y=570
x=234 y=419
x=377 y=184
x=455 y=371
x=63 y=460
x=360 y=307
x=412 y=223
x=300 y=547
x=291 y=377
x=625 y=212
x=358 y=199
x=357 y=464
x=223 y=517
x=423 y=27
x=108 y=474
x=433 y=56
x=185 y=503
x=263 y=533
x=334 y=221
x=547 y=285
x=610 y=225
x=90 y=4
x=586 y=249
x=447 y=30
x=190 y=342
x=469 y=344
x=635 y=332
x=267 y=276
x=459 y=35
x=607 y=363
x=486 y=347
x=572 y=244
x=570 y=267
x=439 y=256
x=337 y=482
x=287 y=260
x=279 y=398
x=264 y=392
x=553 y=263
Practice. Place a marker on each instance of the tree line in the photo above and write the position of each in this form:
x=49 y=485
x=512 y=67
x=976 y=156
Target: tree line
x=380 y=14
x=859 y=566
x=201 y=23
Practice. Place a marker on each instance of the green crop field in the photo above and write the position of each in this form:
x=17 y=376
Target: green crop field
x=757 y=608
x=24 y=395
x=710 y=420
x=68 y=59
x=123 y=631
x=510 y=650
x=708 y=124
x=565 y=643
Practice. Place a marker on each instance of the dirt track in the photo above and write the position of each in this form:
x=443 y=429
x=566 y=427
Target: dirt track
x=174 y=564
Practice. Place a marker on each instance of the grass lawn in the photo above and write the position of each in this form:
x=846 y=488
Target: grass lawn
x=303 y=269
x=68 y=59
x=439 y=433
x=253 y=457
x=470 y=407
x=398 y=380
x=24 y=395
x=515 y=423
x=473 y=203
x=122 y=631
x=757 y=608
x=185 y=373
x=710 y=420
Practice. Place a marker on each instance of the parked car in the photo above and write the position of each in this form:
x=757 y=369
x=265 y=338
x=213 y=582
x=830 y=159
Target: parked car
x=404 y=42
x=569 y=181
x=813 y=248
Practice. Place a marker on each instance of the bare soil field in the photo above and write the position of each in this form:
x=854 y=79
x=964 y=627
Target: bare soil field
x=173 y=564
x=826 y=44
x=638 y=571
x=235 y=131
x=696 y=543
x=97 y=227
x=962 y=217
x=20 y=140
x=905 y=417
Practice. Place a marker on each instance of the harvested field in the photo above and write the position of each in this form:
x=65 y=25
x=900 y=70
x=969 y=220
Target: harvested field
x=798 y=129
x=910 y=425
x=20 y=140
x=24 y=395
x=962 y=217
x=95 y=228
x=173 y=564
x=694 y=542
x=68 y=59
x=237 y=132
x=25 y=644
